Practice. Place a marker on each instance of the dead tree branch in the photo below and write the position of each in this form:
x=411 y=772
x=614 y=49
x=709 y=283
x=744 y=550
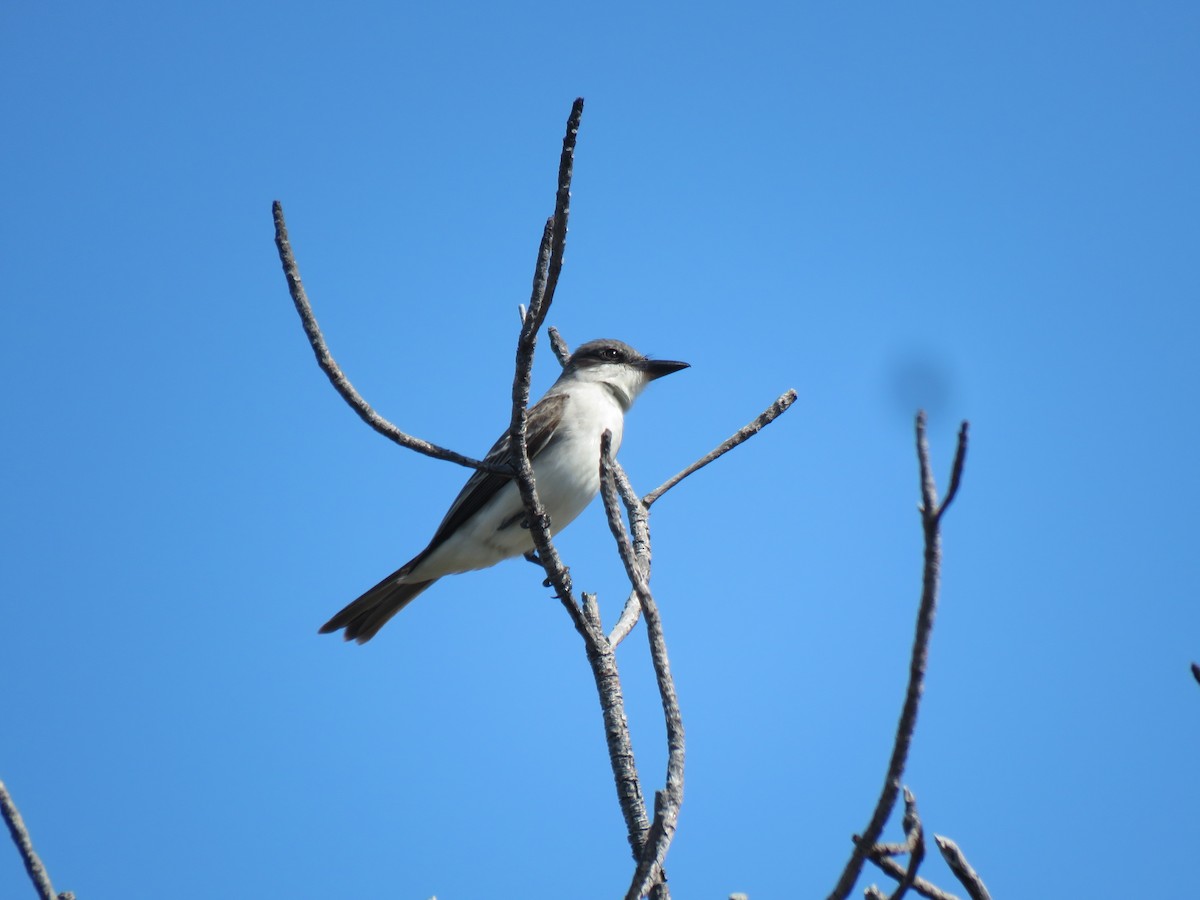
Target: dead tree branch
x=20 y=836
x=962 y=870
x=641 y=529
x=337 y=377
x=613 y=481
x=931 y=517
x=769 y=415
x=893 y=869
x=587 y=621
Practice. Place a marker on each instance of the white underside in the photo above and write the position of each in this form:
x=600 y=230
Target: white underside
x=567 y=476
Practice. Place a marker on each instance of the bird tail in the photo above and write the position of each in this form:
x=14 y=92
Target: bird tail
x=363 y=618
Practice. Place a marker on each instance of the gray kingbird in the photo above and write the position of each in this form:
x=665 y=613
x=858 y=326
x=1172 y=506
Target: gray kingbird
x=485 y=523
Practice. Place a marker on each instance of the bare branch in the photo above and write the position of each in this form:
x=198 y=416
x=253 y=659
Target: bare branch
x=600 y=655
x=920 y=885
x=769 y=415
x=337 y=378
x=962 y=870
x=913 y=845
x=914 y=841
x=614 y=484
x=960 y=458
x=639 y=524
x=550 y=254
x=930 y=519
x=591 y=611
x=20 y=836
x=630 y=613
x=641 y=536
x=559 y=346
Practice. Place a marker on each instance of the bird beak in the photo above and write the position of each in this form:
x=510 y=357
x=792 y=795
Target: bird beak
x=657 y=368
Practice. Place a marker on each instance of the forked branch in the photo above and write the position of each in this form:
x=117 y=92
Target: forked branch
x=931 y=516
x=614 y=485
x=641 y=528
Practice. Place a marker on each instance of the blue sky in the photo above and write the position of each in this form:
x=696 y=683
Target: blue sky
x=989 y=211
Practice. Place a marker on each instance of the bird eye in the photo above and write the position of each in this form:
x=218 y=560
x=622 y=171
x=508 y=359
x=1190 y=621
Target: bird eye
x=611 y=353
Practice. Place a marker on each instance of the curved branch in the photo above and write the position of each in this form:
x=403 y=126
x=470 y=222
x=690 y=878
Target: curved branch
x=931 y=515
x=338 y=378
x=769 y=415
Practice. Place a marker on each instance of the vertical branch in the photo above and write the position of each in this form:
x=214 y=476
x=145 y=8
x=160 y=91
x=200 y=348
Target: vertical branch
x=931 y=515
x=668 y=801
x=550 y=254
x=600 y=655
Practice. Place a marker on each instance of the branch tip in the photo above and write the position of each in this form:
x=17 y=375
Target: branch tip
x=765 y=418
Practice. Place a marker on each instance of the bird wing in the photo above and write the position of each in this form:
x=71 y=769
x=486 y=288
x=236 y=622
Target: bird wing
x=543 y=420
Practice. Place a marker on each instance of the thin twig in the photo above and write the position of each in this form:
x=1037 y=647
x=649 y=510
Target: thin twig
x=630 y=613
x=338 y=378
x=641 y=536
x=920 y=885
x=913 y=846
x=931 y=515
x=769 y=415
x=914 y=841
x=639 y=527
x=613 y=485
x=960 y=458
x=20 y=836
x=962 y=870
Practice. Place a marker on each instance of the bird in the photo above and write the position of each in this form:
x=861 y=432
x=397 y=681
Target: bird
x=486 y=523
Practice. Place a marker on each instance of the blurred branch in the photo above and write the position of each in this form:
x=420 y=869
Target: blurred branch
x=614 y=486
x=931 y=516
x=338 y=378
x=962 y=870
x=1196 y=672
x=20 y=837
